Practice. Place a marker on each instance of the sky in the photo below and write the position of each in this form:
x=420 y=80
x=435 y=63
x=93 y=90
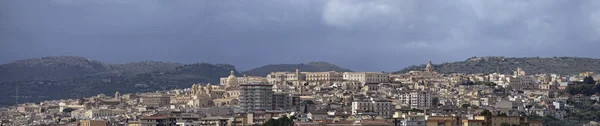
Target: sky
x=362 y=35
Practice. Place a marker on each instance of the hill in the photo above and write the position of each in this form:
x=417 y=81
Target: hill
x=62 y=67
x=309 y=67
x=179 y=77
x=130 y=69
x=532 y=65
x=51 y=68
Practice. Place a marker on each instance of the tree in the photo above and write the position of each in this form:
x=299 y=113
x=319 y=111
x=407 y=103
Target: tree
x=68 y=110
x=486 y=113
x=504 y=124
x=270 y=122
x=589 y=80
x=465 y=106
x=282 y=121
x=435 y=101
x=502 y=114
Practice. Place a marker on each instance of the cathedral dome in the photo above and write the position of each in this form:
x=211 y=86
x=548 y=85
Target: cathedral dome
x=232 y=79
x=429 y=67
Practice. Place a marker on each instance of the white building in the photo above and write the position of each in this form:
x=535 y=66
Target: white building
x=279 y=77
x=415 y=99
x=413 y=120
x=366 y=77
x=245 y=80
x=383 y=108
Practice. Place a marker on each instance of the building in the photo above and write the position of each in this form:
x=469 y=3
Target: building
x=280 y=77
x=499 y=120
x=429 y=67
x=30 y=109
x=260 y=117
x=180 y=99
x=415 y=99
x=155 y=100
x=134 y=123
x=522 y=82
x=444 y=121
x=518 y=72
x=383 y=108
x=413 y=120
x=233 y=81
x=330 y=76
x=366 y=77
x=255 y=97
x=225 y=102
x=93 y=123
x=281 y=101
x=94 y=113
x=467 y=122
x=157 y=121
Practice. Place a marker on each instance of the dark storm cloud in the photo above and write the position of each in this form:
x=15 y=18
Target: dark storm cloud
x=369 y=35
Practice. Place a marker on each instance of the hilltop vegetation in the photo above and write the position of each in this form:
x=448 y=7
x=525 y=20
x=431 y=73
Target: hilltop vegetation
x=51 y=68
x=135 y=68
x=309 y=67
x=126 y=78
x=62 y=67
x=532 y=65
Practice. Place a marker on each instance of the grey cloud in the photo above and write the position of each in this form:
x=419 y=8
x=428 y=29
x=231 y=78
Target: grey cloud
x=372 y=35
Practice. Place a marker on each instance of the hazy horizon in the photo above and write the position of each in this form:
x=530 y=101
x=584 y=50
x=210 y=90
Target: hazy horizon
x=378 y=35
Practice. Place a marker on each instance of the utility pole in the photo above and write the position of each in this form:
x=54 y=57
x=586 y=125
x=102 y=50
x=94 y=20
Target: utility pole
x=17 y=95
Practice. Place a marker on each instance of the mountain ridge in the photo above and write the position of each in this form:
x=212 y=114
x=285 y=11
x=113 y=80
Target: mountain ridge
x=505 y=65
x=315 y=66
x=62 y=67
x=77 y=87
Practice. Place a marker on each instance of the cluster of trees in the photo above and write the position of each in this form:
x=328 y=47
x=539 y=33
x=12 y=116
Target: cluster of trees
x=552 y=121
x=282 y=121
x=587 y=87
x=479 y=83
x=488 y=113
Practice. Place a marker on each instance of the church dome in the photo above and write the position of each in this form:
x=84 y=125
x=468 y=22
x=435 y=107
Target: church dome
x=232 y=79
x=429 y=67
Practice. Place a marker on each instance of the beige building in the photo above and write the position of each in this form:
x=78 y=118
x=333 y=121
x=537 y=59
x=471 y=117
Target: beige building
x=499 y=120
x=443 y=121
x=280 y=77
x=225 y=102
x=242 y=80
x=93 y=123
x=155 y=100
x=94 y=113
x=522 y=82
x=323 y=76
x=429 y=67
x=366 y=77
x=180 y=99
x=30 y=109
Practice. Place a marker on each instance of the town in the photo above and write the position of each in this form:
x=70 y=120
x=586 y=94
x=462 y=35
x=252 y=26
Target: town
x=416 y=98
